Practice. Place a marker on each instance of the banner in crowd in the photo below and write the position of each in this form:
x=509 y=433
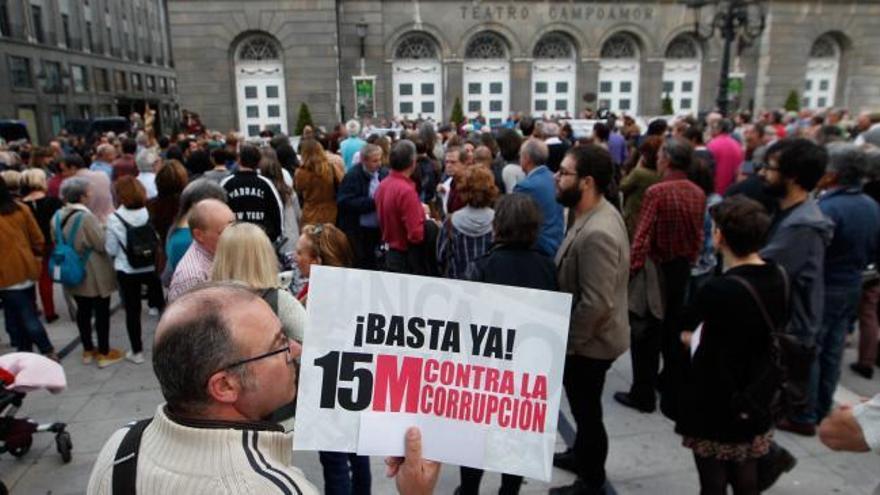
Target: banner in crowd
x=364 y=96
x=477 y=367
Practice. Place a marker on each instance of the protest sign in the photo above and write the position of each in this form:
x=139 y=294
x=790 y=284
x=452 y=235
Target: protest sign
x=477 y=367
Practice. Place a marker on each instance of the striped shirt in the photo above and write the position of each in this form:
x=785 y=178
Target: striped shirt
x=456 y=250
x=193 y=269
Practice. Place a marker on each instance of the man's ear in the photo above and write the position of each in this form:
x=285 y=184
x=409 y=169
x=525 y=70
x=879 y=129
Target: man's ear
x=198 y=235
x=224 y=387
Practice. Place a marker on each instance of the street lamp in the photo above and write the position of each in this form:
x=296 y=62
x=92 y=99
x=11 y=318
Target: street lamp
x=733 y=18
x=362 y=34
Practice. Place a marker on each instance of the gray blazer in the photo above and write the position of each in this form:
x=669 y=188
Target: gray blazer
x=593 y=265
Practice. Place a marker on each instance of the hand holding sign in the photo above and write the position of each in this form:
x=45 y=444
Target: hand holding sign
x=415 y=475
x=477 y=367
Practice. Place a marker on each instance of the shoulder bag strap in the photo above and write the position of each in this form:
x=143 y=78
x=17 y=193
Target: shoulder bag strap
x=126 y=226
x=754 y=293
x=125 y=462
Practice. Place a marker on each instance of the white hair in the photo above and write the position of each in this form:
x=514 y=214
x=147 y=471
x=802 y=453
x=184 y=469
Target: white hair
x=353 y=127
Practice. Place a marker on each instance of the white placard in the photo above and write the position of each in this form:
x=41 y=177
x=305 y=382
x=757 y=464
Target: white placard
x=477 y=367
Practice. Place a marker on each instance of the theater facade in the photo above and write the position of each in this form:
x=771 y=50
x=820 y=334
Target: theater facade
x=415 y=58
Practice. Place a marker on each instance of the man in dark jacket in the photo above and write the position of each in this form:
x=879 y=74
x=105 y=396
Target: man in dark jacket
x=856 y=220
x=252 y=197
x=798 y=238
x=357 y=206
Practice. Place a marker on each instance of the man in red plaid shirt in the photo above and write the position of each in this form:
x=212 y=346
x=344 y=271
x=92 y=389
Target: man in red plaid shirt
x=670 y=234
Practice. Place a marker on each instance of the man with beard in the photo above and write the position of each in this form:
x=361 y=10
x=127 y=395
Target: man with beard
x=593 y=265
x=798 y=237
x=670 y=234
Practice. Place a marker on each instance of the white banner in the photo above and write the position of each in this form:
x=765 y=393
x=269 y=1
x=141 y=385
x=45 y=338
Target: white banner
x=477 y=367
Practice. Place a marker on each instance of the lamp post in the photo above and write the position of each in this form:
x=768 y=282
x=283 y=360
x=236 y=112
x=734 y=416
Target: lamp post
x=362 y=34
x=743 y=19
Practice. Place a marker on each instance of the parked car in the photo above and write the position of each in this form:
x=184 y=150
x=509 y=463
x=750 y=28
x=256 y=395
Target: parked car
x=13 y=130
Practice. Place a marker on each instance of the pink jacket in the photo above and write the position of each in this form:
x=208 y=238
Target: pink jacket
x=728 y=154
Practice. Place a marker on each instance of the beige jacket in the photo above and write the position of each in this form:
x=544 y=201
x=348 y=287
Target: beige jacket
x=100 y=278
x=593 y=265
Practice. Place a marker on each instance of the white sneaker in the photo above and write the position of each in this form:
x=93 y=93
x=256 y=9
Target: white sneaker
x=136 y=358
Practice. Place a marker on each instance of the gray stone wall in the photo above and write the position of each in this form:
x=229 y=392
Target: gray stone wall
x=205 y=34
x=322 y=48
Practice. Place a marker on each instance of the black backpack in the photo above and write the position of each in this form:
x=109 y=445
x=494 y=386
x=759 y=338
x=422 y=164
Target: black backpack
x=141 y=244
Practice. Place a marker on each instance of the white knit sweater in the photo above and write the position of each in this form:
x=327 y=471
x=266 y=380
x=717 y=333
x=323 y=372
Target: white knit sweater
x=211 y=457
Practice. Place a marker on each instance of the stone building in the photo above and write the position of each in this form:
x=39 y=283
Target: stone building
x=250 y=64
x=68 y=59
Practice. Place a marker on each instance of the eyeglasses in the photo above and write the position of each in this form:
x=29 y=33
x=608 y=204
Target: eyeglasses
x=563 y=172
x=241 y=362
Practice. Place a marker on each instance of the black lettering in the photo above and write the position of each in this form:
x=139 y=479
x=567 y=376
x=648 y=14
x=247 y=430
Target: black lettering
x=416 y=337
x=524 y=13
x=359 y=332
x=464 y=12
x=478 y=333
x=395 y=331
x=648 y=12
x=435 y=325
x=576 y=13
x=623 y=13
x=511 y=13
x=493 y=346
x=451 y=341
x=364 y=378
x=600 y=13
x=375 y=328
x=553 y=12
x=588 y=12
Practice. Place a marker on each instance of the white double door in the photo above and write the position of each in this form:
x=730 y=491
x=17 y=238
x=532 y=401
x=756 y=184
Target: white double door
x=553 y=88
x=418 y=89
x=820 y=84
x=262 y=103
x=619 y=86
x=487 y=90
x=681 y=82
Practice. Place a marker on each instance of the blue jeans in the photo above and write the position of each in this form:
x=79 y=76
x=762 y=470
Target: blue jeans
x=841 y=307
x=345 y=474
x=22 y=322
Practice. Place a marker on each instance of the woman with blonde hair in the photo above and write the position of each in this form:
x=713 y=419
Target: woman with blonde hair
x=316 y=181
x=245 y=254
x=33 y=191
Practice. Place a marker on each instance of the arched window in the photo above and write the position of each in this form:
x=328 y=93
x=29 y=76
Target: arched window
x=822 y=69
x=259 y=80
x=487 y=78
x=553 y=75
x=417 y=77
x=619 y=74
x=681 y=74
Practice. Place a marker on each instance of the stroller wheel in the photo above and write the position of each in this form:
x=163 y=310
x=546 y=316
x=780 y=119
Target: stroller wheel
x=21 y=450
x=64 y=445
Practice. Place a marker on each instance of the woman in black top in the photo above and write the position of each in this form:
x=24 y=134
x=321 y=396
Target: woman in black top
x=730 y=379
x=511 y=261
x=33 y=190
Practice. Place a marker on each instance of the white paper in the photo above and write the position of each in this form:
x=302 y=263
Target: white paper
x=539 y=319
x=695 y=339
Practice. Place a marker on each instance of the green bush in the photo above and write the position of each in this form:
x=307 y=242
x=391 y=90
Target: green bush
x=303 y=119
x=793 y=102
x=457 y=116
x=667 y=105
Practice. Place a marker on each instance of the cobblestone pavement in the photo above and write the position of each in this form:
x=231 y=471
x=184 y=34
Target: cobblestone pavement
x=645 y=454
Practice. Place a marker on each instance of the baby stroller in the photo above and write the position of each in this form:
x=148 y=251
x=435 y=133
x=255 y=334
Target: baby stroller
x=22 y=372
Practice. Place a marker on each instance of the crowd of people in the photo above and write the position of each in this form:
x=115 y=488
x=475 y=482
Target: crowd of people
x=736 y=252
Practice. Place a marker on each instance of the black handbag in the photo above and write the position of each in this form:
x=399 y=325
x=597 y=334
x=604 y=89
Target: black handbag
x=792 y=358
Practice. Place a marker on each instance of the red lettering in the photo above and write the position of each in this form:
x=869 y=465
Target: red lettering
x=540 y=390
x=491 y=380
x=491 y=408
x=503 y=416
x=431 y=366
x=439 y=401
x=506 y=383
x=447 y=373
x=525 y=416
x=464 y=412
x=452 y=402
x=540 y=417
x=462 y=375
x=425 y=401
x=389 y=382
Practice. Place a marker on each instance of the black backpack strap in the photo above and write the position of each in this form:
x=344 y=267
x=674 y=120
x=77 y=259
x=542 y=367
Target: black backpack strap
x=125 y=462
x=271 y=297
